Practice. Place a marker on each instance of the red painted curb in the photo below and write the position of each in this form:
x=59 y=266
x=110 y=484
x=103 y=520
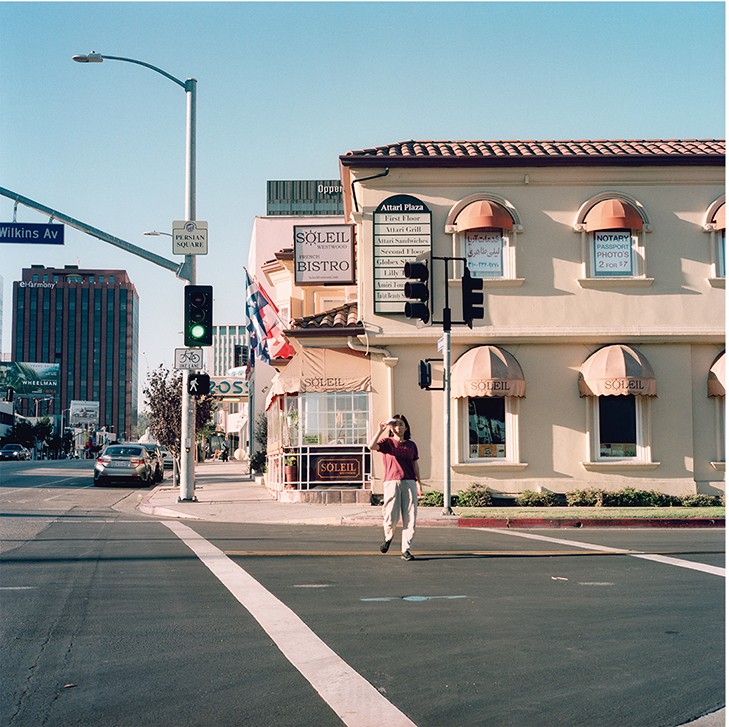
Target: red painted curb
x=477 y=522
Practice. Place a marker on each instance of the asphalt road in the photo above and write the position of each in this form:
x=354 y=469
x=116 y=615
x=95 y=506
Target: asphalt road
x=112 y=618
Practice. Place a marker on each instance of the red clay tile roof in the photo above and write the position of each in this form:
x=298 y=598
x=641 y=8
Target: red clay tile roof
x=343 y=320
x=541 y=153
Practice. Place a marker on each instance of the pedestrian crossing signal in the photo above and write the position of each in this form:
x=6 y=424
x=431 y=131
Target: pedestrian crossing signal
x=198 y=384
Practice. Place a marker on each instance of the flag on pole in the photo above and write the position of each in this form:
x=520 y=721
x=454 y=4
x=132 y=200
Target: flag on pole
x=264 y=325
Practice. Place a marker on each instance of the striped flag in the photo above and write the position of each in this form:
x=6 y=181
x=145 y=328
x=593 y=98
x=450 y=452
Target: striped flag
x=263 y=324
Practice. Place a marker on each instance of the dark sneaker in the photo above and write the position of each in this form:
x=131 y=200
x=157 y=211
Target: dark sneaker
x=407 y=555
x=385 y=546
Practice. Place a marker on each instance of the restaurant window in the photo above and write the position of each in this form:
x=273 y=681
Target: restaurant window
x=487 y=428
x=613 y=232
x=620 y=430
x=617 y=426
x=618 y=382
x=326 y=418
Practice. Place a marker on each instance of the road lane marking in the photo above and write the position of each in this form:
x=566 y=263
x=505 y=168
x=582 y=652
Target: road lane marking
x=416 y=599
x=351 y=696
x=453 y=553
x=677 y=562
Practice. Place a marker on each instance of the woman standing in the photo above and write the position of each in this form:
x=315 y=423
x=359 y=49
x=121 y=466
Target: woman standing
x=401 y=481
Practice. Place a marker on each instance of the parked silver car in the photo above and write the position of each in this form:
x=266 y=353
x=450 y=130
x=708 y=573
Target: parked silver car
x=125 y=462
x=156 y=452
x=14 y=452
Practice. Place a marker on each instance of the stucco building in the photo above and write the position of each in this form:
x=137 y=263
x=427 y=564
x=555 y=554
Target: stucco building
x=599 y=361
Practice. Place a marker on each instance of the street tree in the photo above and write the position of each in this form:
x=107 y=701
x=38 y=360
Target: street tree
x=163 y=399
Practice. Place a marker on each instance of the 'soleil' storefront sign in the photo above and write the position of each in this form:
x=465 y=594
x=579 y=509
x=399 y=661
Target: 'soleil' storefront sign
x=324 y=255
x=402 y=232
x=335 y=468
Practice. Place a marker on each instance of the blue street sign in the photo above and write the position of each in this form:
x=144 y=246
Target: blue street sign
x=31 y=233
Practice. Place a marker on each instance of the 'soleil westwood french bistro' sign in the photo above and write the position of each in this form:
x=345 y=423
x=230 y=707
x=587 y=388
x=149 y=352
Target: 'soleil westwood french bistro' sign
x=324 y=255
x=402 y=232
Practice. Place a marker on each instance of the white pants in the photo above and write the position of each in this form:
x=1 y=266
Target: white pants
x=401 y=497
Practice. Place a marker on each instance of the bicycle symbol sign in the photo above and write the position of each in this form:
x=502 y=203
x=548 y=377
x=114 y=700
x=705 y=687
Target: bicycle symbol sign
x=188 y=358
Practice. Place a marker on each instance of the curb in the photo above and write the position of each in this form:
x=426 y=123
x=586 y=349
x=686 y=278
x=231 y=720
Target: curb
x=476 y=522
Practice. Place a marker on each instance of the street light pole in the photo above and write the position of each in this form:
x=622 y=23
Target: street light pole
x=187 y=428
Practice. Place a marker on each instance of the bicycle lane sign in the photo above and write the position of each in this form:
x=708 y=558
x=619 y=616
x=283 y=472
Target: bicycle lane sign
x=188 y=358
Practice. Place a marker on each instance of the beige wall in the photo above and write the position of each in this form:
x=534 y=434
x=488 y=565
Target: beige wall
x=551 y=323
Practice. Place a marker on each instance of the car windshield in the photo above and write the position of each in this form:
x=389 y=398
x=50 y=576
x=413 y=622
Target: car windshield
x=12 y=446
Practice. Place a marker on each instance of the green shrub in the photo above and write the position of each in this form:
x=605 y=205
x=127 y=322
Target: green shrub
x=585 y=498
x=702 y=501
x=475 y=495
x=528 y=498
x=431 y=499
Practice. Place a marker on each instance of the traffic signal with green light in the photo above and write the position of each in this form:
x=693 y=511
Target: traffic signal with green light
x=198 y=315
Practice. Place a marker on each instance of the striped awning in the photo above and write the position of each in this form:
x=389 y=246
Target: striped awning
x=487 y=371
x=615 y=371
x=716 y=383
x=322 y=370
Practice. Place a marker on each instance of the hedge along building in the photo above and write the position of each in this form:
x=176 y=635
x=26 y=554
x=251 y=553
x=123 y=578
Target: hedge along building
x=599 y=362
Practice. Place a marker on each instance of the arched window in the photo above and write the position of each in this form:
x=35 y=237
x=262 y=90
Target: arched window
x=715 y=224
x=483 y=228
x=613 y=228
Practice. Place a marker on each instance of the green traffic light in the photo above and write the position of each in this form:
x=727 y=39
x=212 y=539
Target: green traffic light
x=197 y=331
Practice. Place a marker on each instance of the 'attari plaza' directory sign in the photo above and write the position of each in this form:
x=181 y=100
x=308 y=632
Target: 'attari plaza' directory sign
x=402 y=232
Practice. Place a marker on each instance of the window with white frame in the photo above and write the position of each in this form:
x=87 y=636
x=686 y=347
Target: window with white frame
x=613 y=231
x=613 y=254
x=487 y=253
x=620 y=428
x=489 y=427
x=483 y=228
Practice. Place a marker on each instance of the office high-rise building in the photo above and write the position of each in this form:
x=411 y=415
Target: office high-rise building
x=88 y=322
x=225 y=339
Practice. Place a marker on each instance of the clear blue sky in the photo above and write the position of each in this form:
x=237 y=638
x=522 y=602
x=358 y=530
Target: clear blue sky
x=285 y=88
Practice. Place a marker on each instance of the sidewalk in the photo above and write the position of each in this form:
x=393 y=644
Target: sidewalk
x=225 y=494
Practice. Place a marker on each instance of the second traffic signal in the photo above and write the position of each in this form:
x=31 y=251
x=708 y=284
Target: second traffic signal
x=198 y=315
x=417 y=291
x=472 y=298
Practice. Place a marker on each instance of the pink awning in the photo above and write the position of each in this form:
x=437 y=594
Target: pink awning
x=487 y=371
x=322 y=370
x=481 y=214
x=613 y=214
x=615 y=371
x=716 y=383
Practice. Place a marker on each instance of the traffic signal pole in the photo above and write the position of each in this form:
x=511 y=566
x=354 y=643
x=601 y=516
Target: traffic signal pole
x=419 y=306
